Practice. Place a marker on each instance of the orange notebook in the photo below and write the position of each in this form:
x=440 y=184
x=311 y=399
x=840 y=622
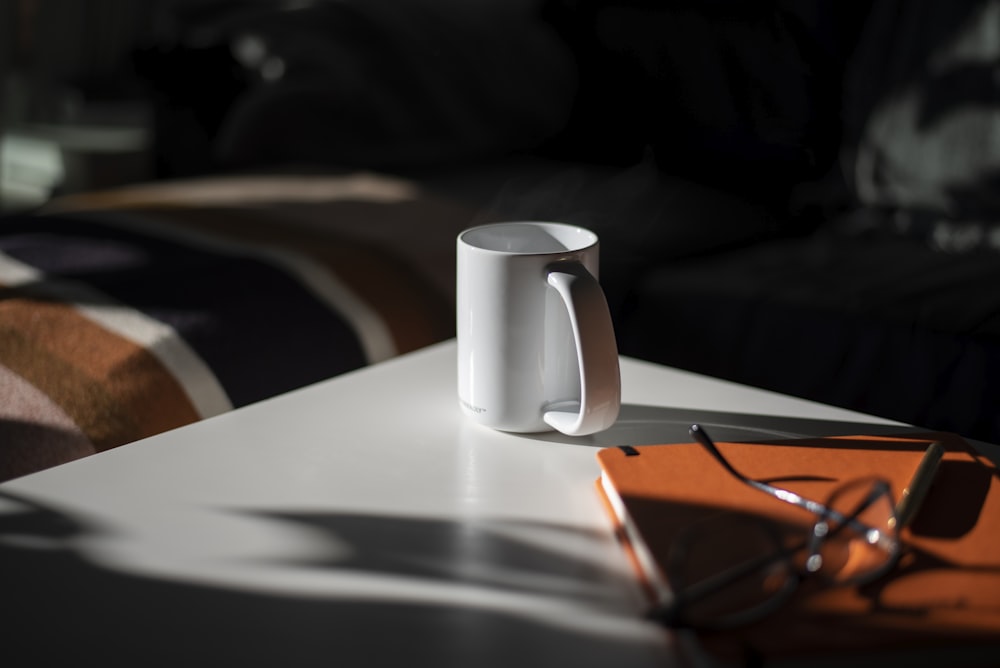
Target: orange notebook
x=943 y=595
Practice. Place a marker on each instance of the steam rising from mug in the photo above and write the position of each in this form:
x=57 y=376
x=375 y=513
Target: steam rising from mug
x=536 y=347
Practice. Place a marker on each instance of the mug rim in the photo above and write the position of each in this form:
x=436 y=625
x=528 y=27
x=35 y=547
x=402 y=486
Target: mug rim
x=590 y=238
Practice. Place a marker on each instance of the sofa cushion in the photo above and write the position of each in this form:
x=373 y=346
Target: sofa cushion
x=739 y=96
x=376 y=84
x=866 y=321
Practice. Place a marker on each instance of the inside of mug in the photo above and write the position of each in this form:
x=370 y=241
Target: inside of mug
x=529 y=237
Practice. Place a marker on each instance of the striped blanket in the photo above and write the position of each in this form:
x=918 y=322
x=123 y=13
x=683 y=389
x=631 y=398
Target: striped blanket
x=120 y=323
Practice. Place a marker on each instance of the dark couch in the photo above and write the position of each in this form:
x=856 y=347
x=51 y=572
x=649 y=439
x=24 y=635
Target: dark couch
x=795 y=195
x=883 y=292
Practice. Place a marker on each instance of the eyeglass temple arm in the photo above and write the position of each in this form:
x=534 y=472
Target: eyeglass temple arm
x=699 y=434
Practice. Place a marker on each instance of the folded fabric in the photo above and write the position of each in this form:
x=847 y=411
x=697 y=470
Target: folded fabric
x=119 y=324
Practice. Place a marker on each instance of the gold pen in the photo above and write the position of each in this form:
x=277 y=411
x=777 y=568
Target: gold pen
x=914 y=494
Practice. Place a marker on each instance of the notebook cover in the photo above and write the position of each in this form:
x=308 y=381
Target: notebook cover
x=944 y=592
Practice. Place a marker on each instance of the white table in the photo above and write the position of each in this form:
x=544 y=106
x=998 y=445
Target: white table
x=359 y=521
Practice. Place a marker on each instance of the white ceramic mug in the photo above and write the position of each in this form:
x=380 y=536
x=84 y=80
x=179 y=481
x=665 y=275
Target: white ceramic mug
x=536 y=347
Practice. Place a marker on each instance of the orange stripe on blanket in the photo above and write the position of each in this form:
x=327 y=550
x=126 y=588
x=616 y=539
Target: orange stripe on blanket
x=113 y=389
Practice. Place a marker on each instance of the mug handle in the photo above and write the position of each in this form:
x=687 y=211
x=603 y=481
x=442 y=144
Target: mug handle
x=596 y=350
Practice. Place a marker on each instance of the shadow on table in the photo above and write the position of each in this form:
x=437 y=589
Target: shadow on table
x=482 y=592
x=62 y=607
x=641 y=424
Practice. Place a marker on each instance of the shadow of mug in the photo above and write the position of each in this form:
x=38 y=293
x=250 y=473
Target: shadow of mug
x=640 y=424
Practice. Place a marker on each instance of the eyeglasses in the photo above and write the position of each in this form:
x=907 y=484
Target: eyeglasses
x=729 y=570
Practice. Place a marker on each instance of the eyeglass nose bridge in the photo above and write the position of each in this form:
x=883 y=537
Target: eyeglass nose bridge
x=869 y=545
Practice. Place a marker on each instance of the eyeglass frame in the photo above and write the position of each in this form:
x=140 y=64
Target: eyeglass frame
x=820 y=530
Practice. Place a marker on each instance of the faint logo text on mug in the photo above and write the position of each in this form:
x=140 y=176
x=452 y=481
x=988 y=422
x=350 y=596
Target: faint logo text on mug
x=474 y=409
